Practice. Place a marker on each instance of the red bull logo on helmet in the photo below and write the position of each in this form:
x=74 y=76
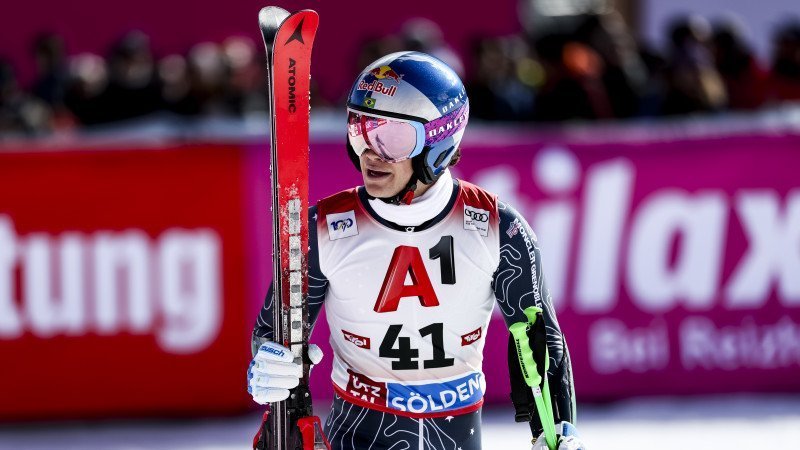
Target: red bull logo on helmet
x=377 y=86
x=383 y=72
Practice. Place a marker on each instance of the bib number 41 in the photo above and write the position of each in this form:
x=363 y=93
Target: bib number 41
x=406 y=356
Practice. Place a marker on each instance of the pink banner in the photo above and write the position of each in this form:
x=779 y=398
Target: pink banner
x=674 y=265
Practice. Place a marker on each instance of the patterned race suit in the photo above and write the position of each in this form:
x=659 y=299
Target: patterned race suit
x=408 y=309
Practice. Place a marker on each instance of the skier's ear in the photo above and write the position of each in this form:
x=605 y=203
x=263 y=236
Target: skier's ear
x=456 y=157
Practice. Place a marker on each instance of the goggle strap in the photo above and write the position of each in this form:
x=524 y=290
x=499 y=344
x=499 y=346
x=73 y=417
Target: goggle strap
x=385 y=114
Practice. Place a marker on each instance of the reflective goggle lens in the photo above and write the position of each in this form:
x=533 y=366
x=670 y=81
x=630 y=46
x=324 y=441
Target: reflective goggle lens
x=393 y=140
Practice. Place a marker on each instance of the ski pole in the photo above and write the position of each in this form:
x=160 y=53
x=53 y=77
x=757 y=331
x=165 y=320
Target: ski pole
x=530 y=372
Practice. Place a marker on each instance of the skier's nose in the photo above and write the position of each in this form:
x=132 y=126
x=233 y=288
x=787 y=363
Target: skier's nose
x=371 y=155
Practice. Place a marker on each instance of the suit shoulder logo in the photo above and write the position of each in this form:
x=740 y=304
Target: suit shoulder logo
x=342 y=225
x=476 y=219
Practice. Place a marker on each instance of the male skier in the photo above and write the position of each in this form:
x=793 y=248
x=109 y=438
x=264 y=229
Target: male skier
x=409 y=267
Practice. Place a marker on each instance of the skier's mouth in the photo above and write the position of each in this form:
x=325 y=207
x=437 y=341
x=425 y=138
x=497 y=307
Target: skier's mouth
x=372 y=173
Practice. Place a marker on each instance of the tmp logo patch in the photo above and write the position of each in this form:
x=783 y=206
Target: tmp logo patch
x=476 y=219
x=342 y=225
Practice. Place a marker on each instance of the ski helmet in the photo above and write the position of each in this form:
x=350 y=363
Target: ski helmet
x=408 y=105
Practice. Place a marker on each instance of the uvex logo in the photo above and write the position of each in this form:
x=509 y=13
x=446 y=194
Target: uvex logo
x=358 y=341
x=471 y=337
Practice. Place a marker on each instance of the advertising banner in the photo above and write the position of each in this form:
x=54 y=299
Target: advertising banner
x=130 y=277
x=674 y=265
x=122 y=282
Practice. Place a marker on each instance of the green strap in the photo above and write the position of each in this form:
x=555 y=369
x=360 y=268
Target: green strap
x=519 y=331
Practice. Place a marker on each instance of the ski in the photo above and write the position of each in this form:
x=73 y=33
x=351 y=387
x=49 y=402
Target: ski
x=288 y=39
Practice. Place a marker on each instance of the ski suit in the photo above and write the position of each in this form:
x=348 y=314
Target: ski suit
x=408 y=309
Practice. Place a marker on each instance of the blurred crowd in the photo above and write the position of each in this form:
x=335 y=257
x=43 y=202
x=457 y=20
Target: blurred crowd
x=87 y=89
x=592 y=69
x=595 y=69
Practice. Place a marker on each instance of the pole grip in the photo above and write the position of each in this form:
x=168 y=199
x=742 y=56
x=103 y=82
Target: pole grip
x=530 y=372
x=519 y=332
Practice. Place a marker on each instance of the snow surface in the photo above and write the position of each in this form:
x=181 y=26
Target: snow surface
x=739 y=422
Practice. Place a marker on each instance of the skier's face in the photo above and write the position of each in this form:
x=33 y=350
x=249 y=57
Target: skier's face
x=383 y=179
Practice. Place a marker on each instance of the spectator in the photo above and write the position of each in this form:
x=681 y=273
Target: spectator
x=88 y=80
x=573 y=87
x=745 y=81
x=20 y=113
x=208 y=75
x=693 y=83
x=246 y=86
x=52 y=77
x=785 y=74
x=653 y=95
x=503 y=87
x=624 y=74
x=176 y=94
x=132 y=89
x=51 y=70
x=423 y=35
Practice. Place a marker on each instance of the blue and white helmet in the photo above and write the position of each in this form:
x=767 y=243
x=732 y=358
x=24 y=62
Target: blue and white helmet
x=422 y=99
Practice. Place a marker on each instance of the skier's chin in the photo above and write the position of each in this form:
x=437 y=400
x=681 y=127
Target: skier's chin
x=380 y=184
x=380 y=189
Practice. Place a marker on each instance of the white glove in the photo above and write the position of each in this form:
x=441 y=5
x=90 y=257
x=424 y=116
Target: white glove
x=272 y=372
x=567 y=439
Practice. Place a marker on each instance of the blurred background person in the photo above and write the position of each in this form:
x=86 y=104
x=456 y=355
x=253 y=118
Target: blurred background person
x=52 y=78
x=20 y=112
x=693 y=82
x=86 y=88
x=132 y=89
x=745 y=80
x=623 y=74
x=784 y=77
x=505 y=79
x=246 y=87
x=573 y=85
x=423 y=35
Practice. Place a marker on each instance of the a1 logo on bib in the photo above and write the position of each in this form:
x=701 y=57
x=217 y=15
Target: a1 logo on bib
x=341 y=225
x=476 y=219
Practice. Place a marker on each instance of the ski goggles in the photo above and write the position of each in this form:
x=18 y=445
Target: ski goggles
x=392 y=139
x=396 y=139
